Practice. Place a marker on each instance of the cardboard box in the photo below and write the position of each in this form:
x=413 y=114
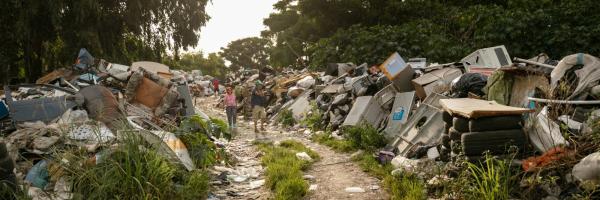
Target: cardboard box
x=435 y=81
x=400 y=73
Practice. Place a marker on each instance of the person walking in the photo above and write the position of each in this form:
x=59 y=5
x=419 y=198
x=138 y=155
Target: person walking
x=230 y=107
x=215 y=83
x=258 y=101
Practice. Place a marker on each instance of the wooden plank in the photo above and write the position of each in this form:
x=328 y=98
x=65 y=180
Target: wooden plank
x=475 y=108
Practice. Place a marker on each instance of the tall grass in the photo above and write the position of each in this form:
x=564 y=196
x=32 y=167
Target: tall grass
x=491 y=179
x=286 y=118
x=284 y=170
x=133 y=170
x=365 y=137
x=314 y=120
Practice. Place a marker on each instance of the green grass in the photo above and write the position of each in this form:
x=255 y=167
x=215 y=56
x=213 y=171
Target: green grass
x=284 y=170
x=286 y=118
x=491 y=179
x=404 y=186
x=314 y=120
x=134 y=170
x=344 y=146
x=364 y=137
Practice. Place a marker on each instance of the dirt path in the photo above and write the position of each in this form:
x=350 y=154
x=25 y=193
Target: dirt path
x=332 y=174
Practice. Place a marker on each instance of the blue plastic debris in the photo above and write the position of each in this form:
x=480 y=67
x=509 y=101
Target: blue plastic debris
x=38 y=175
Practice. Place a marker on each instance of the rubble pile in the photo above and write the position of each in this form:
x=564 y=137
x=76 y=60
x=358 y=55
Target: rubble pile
x=481 y=105
x=93 y=106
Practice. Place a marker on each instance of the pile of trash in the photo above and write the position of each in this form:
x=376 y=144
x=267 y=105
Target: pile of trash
x=485 y=104
x=92 y=106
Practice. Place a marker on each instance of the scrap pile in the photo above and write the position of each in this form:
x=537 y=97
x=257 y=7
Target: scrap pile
x=93 y=106
x=535 y=110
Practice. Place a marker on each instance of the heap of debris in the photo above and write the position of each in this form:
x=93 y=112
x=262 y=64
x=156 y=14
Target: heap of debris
x=482 y=105
x=92 y=105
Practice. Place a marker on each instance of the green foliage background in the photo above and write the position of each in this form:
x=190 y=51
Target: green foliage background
x=315 y=32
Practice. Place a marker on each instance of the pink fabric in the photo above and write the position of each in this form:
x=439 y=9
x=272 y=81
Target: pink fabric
x=230 y=100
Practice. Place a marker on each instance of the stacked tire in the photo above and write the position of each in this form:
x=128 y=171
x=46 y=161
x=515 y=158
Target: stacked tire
x=473 y=137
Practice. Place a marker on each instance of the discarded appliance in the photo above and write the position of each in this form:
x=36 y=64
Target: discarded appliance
x=396 y=69
x=42 y=109
x=436 y=81
x=366 y=109
x=422 y=128
x=485 y=61
x=417 y=63
x=403 y=103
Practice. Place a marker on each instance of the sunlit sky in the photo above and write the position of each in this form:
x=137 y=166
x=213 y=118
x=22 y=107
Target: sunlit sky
x=232 y=20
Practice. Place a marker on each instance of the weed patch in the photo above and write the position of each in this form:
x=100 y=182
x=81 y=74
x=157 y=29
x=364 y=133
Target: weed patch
x=344 y=146
x=365 y=137
x=284 y=170
x=286 y=118
x=491 y=179
x=314 y=120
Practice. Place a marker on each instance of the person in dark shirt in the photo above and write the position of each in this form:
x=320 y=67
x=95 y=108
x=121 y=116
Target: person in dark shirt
x=258 y=102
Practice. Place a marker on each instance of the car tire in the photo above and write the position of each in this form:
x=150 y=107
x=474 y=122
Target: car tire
x=447 y=117
x=445 y=141
x=495 y=123
x=461 y=124
x=496 y=142
x=454 y=134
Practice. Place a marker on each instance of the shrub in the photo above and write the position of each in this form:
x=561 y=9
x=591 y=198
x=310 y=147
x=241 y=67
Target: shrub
x=491 y=179
x=314 y=120
x=365 y=137
x=286 y=118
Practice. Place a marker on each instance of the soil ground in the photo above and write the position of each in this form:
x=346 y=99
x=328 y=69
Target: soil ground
x=333 y=173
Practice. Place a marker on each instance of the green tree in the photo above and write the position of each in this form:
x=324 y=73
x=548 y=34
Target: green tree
x=213 y=64
x=252 y=52
x=48 y=34
x=443 y=31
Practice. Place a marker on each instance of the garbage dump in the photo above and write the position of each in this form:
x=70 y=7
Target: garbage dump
x=486 y=104
x=94 y=107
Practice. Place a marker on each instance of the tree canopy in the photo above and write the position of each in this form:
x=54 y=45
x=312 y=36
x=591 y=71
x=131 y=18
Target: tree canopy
x=319 y=32
x=42 y=35
x=213 y=64
x=252 y=52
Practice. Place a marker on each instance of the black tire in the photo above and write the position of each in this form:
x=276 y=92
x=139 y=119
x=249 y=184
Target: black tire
x=495 y=123
x=447 y=117
x=454 y=134
x=461 y=124
x=445 y=141
x=447 y=127
x=497 y=142
x=3 y=150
